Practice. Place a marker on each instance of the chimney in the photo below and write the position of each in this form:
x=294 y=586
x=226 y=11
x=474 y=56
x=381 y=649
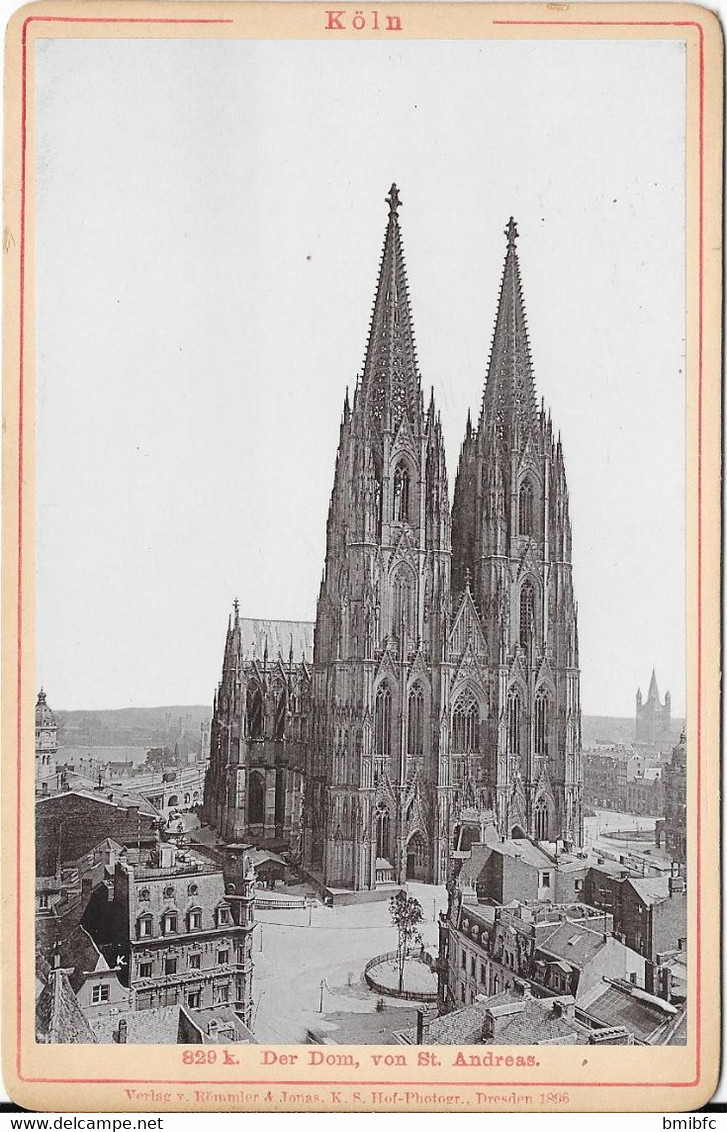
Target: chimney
x=123 y=1031
x=564 y=1007
x=521 y=988
x=212 y=1028
x=676 y=884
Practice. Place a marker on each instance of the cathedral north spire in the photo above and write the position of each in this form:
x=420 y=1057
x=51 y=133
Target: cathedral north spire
x=391 y=387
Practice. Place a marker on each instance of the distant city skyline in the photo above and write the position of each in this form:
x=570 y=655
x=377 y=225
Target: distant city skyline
x=220 y=256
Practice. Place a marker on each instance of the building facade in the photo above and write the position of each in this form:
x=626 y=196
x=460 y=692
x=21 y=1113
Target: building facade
x=444 y=674
x=653 y=718
x=671 y=832
x=180 y=930
x=253 y=792
x=46 y=746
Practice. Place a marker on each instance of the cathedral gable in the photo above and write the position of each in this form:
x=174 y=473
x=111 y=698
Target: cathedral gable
x=467 y=630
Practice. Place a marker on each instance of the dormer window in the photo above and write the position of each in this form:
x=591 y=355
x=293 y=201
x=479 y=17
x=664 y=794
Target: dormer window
x=169 y=892
x=169 y=923
x=194 y=919
x=144 y=894
x=144 y=926
x=223 y=915
x=193 y=889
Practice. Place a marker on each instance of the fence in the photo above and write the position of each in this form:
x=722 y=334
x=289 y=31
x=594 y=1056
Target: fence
x=279 y=900
x=407 y=995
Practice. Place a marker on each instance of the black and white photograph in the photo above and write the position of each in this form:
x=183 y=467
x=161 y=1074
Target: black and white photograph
x=360 y=528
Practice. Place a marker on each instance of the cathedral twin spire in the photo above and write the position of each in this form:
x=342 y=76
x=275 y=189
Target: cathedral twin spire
x=391 y=386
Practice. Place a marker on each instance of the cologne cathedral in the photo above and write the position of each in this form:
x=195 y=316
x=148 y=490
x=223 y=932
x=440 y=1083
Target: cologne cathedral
x=440 y=682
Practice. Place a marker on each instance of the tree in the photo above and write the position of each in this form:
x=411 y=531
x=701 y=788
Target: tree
x=406 y=914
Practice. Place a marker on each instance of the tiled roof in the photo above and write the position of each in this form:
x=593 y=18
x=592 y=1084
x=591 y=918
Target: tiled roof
x=256 y=632
x=107 y=796
x=521 y=1020
x=80 y=954
x=260 y=856
x=651 y=890
x=157 y=1025
x=229 y=1026
x=573 y=942
x=58 y=1016
x=524 y=849
x=642 y=1015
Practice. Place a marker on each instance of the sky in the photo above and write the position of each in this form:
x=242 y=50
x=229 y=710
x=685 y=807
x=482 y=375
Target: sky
x=210 y=217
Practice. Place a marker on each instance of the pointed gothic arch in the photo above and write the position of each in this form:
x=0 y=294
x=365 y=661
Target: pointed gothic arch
x=514 y=718
x=525 y=508
x=527 y=613
x=383 y=831
x=401 y=493
x=542 y=721
x=415 y=722
x=382 y=722
x=254 y=710
x=416 y=856
x=402 y=603
x=542 y=820
x=465 y=723
x=256 y=799
x=281 y=709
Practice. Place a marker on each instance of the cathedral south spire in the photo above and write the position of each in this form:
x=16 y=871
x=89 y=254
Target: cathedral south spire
x=511 y=534
x=509 y=403
x=391 y=387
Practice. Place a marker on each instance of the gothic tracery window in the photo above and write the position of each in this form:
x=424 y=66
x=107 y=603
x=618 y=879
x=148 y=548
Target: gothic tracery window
x=415 y=730
x=281 y=710
x=541 y=820
x=513 y=722
x=254 y=711
x=527 y=614
x=465 y=724
x=525 y=508
x=401 y=493
x=542 y=723
x=256 y=799
x=401 y=606
x=382 y=729
x=382 y=831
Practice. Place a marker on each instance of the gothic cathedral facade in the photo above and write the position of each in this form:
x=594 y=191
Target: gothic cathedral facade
x=444 y=680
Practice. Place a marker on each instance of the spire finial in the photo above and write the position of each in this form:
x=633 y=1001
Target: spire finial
x=393 y=200
x=511 y=233
x=467 y=579
x=236 y=607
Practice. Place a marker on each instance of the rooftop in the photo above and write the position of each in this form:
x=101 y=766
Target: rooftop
x=259 y=635
x=617 y=1003
x=518 y=1019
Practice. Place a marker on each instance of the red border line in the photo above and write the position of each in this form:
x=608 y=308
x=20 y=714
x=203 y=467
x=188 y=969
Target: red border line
x=460 y=1084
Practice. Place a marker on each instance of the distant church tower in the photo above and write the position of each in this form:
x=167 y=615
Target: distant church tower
x=46 y=746
x=653 y=719
x=375 y=794
x=511 y=546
